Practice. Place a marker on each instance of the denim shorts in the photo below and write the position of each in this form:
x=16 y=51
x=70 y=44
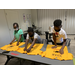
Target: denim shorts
x=57 y=43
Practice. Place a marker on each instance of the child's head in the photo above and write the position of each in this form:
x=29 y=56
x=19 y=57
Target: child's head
x=30 y=32
x=15 y=26
x=57 y=25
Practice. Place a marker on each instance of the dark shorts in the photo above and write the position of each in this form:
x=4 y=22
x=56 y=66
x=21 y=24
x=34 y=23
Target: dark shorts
x=57 y=43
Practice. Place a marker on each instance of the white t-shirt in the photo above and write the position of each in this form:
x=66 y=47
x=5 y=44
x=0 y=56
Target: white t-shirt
x=36 y=36
x=59 y=35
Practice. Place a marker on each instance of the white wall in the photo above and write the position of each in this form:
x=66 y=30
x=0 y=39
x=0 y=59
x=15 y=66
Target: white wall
x=23 y=25
x=46 y=18
x=34 y=16
x=4 y=31
x=70 y=21
x=27 y=22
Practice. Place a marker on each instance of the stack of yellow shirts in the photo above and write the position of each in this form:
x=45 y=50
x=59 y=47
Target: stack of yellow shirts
x=21 y=50
x=54 y=54
x=5 y=47
x=9 y=48
x=34 y=51
x=12 y=47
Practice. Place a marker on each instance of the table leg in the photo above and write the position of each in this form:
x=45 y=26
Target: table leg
x=21 y=61
x=50 y=36
x=46 y=36
x=8 y=58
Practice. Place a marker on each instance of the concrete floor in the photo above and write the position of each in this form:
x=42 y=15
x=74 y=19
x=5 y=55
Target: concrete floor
x=15 y=61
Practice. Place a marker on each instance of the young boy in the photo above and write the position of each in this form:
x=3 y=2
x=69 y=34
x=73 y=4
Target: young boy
x=33 y=37
x=59 y=35
x=17 y=34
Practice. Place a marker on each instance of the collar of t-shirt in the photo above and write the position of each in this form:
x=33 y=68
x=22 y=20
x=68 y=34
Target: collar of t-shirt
x=33 y=36
x=60 y=32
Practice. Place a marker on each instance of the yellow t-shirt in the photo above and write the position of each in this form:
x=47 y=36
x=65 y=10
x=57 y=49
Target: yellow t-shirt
x=54 y=54
x=34 y=51
x=12 y=47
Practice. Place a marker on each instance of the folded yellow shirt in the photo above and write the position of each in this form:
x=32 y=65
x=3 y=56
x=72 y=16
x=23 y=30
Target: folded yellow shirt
x=34 y=51
x=21 y=50
x=12 y=47
x=5 y=47
x=9 y=48
x=52 y=54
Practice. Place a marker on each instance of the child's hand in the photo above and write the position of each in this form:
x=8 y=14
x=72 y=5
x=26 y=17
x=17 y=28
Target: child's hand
x=61 y=51
x=54 y=47
x=10 y=43
x=17 y=44
x=28 y=50
x=25 y=49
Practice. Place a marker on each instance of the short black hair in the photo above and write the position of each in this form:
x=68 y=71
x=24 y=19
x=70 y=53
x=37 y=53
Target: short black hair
x=30 y=29
x=57 y=22
x=16 y=24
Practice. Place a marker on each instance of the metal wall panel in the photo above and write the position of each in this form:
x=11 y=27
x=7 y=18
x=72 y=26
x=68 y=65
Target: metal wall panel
x=46 y=17
x=70 y=21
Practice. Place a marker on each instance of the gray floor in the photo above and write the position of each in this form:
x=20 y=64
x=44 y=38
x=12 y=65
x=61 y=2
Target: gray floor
x=15 y=61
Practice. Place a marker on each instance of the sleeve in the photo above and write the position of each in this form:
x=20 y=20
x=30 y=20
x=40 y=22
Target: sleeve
x=27 y=36
x=20 y=32
x=65 y=35
x=35 y=36
x=52 y=30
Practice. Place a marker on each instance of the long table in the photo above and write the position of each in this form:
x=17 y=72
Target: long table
x=38 y=58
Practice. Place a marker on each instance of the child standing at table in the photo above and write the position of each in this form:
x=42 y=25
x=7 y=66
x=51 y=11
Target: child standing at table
x=33 y=38
x=59 y=35
x=17 y=34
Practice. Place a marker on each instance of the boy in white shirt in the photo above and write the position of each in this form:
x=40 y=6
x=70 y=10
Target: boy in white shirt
x=59 y=35
x=33 y=37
